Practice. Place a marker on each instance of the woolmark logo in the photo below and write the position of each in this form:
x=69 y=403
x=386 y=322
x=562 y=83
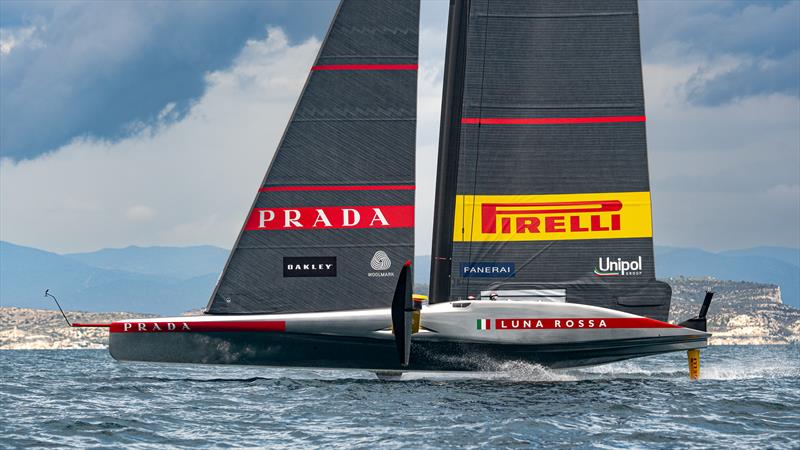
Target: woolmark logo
x=606 y=267
x=381 y=263
x=487 y=270
x=328 y=217
x=552 y=217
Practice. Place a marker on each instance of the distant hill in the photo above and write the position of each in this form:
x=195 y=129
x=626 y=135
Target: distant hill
x=742 y=312
x=171 y=280
x=122 y=280
x=774 y=265
x=179 y=262
x=788 y=255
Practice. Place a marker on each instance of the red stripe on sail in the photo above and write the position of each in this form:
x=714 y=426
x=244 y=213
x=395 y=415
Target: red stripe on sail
x=391 y=187
x=366 y=67
x=189 y=326
x=571 y=323
x=549 y=120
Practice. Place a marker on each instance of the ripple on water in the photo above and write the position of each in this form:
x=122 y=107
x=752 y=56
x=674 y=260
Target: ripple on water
x=749 y=396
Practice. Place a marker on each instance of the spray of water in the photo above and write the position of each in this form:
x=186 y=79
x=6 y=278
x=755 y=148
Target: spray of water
x=720 y=363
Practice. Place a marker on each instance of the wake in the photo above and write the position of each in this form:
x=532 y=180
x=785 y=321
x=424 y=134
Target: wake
x=716 y=364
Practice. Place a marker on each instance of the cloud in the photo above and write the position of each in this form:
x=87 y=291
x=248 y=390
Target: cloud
x=744 y=48
x=749 y=77
x=725 y=173
x=721 y=89
x=71 y=69
x=11 y=38
x=722 y=176
x=197 y=174
x=140 y=213
x=174 y=182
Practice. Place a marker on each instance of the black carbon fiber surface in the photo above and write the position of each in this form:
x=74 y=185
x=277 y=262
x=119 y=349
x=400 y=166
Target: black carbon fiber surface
x=550 y=59
x=354 y=125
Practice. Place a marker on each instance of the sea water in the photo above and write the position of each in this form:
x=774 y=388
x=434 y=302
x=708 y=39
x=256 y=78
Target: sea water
x=749 y=397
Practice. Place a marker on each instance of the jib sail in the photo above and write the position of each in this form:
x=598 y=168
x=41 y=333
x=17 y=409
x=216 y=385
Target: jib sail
x=333 y=222
x=543 y=180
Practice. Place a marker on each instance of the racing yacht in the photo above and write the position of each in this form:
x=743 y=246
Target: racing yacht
x=542 y=237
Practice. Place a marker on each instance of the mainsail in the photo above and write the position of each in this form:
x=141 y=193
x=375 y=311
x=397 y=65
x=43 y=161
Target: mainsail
x=543 y=186
x=333 y=221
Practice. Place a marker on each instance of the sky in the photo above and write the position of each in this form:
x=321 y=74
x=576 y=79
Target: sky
x=152 y=123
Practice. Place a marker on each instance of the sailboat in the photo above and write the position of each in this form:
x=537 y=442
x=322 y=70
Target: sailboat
x=542 y=239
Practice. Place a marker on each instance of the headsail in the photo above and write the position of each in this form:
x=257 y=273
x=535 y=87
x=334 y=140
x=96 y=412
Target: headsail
x=543 y=180
x=333 y=221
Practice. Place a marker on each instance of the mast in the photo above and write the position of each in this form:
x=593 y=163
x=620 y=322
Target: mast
x=449 y=137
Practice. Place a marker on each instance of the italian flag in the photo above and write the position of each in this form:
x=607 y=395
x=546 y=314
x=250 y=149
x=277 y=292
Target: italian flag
x=484 y=324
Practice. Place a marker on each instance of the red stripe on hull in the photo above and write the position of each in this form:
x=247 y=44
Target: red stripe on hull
x=201 y=327
x=549 y=120
x=366 y=67
x=388 y=187
x=590 y=323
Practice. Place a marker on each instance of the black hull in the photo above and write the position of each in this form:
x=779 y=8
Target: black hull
x=322 y=351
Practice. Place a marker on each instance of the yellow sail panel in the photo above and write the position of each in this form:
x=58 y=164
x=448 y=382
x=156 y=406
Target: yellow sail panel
x=553 y=217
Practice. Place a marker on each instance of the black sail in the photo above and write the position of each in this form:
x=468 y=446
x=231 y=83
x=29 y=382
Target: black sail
x=333 y=222
x=543 y=185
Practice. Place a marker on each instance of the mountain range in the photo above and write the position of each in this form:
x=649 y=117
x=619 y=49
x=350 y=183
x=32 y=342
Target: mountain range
x=171 y=280
x=161 y=280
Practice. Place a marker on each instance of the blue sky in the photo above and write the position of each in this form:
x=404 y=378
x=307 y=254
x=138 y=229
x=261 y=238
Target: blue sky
x=151 y=123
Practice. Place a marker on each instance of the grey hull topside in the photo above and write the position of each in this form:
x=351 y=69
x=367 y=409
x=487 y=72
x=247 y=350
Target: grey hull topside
x=450 y=339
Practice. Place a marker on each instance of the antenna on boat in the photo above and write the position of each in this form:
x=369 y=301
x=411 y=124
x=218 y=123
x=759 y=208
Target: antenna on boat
x=48 y=294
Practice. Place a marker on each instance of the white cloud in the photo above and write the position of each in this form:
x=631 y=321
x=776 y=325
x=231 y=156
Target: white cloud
x=196 y=176
x=191 y=181
x=723 y=176
x=140 y=213
x=172 y=183
x=11 y=38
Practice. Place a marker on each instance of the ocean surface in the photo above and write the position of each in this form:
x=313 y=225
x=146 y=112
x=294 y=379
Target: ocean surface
x=749 y=397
